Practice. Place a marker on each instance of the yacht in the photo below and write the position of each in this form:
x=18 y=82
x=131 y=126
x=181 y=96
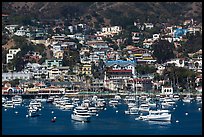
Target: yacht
x=8 y=104
x=144 y=108
x=17 y=100
x=156 y=115
x=81 y=114
x=132 y=110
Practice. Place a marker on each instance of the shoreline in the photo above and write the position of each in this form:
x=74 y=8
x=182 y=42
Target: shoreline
x=106 y=95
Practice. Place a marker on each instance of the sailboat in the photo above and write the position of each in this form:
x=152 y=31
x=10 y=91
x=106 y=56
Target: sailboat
x=188 y=98
x=133 y=106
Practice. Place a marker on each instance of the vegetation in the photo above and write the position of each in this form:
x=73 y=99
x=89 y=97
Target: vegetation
x=145 y=69
x=180 y=76
x=163 y=51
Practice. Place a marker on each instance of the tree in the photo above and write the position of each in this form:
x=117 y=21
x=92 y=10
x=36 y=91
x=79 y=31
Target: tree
x=145 y=69
x=163 y=51
x=14 y=82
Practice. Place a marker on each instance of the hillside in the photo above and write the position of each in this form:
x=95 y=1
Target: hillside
x=104 y=13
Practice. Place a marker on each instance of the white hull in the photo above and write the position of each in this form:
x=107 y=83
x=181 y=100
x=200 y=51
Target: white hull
x=156 y=118
x=186 y=100
x=80 y=118
x=8 y=106
x=33 y=113
x=131 y=113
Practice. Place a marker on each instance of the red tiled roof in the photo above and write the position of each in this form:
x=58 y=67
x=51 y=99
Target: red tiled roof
x=4 y=14
x=5 y=88
x=119 y=70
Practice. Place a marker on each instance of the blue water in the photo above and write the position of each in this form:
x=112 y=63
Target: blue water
x=108 y=122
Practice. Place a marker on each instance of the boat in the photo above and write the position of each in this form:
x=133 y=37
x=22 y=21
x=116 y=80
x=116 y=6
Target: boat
x=132 y=104
x=17 y=100
x=113 y=102
x=50 y=99
x=33 y=111
x=175 y=97
x=132 y=110
x=144 y=108
x=187 y=99
x=67 y=105
x=81 y=114
x=100 y=103
x=199 y=99
x=3 y=100
x=92 y=110
x=35 y=103
x=156 y=115
x=8 y=104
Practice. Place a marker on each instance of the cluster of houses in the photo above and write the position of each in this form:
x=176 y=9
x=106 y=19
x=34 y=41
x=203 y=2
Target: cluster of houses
x=119 y=66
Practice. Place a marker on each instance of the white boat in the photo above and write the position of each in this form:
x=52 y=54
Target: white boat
x=92 y=111
x=156 y=115
x=100 y=103
x=132 y=104
x=117 y=97
x=144 y=108
x=86 y=102
x=132 y=110
x=129 y=99
x=152 y=104
x=113 y=102
x=33 y=111
x=169 y=101
x=67 y=105
x=40 y=99
x=175 y=97
x=187 y=99
x=3 y=100
x=8 y=104
x=17 y=100
x=50 y=99
x=81 y=114
x=199 y=99
x=35 y=104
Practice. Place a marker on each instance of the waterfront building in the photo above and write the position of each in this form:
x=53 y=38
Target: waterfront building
x=11 y=90
x=117 y=73
x=167 y=90
x=16 y=75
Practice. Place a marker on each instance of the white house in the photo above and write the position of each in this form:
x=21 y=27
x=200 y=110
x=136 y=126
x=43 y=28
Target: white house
x=110 y=31
x=149 y=25
x=167 y=90
x=11 y=28
x=179 y=62
x=11 y=54
x=16 y=75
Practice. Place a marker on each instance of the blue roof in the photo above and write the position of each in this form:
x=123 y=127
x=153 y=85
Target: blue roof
x=180 y=32
x=120 y=62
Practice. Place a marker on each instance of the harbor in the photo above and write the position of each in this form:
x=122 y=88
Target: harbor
x=106 y=116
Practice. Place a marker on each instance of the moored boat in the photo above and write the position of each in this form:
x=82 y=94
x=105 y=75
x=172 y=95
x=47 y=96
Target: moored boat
x=156 y=115
x=81 y=114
